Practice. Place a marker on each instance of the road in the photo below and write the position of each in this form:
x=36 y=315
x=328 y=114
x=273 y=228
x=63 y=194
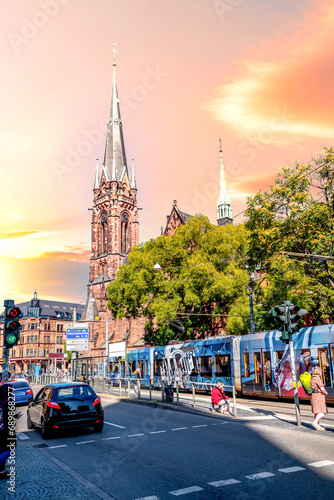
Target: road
x=152 y=453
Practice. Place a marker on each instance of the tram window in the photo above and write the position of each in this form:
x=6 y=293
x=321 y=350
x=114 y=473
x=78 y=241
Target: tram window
x=246 y=363
x=258 y=368
x=206 y=366
x=145 y=368
x=305 y=361
x=133 y=366
x=279 y=355
x=222 y=366
x=141 y=367
x=157 y=367
x=267 y=367
x=324 y=365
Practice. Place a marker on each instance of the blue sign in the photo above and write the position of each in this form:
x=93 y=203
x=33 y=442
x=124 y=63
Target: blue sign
x=77 y=336
x=77 y=330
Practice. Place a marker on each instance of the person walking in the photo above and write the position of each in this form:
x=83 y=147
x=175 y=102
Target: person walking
x=318 y=400
x=219 y=398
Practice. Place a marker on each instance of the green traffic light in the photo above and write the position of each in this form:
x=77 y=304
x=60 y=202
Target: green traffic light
x=11 y=339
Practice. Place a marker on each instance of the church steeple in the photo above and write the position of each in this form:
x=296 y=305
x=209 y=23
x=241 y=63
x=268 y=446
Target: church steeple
x=224 y=210
x=114 y=156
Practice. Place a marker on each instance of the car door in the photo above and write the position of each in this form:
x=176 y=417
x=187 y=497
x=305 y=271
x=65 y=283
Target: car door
x=39 y=405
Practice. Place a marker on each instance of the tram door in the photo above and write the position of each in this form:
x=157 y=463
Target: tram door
x=262 y=371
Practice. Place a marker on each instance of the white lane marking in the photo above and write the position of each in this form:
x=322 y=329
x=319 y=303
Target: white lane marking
x=115 y=425
x=224 y=482
x=84 y=442
x=223 y=423
x=59 y=446
x=292 y=469
x=148 y=498
x=22 y=436
x=114 y=437
x=135 y=435
x=323 y=463
x=260 y=417
x=157 y=432
x=179 y=428
x=260 y=475
x=185 y=491
x=195 y=426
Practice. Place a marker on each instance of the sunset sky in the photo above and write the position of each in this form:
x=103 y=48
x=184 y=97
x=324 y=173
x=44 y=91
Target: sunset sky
x=258 y=73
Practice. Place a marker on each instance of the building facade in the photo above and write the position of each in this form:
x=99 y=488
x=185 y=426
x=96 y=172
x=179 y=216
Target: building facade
x=42 y=336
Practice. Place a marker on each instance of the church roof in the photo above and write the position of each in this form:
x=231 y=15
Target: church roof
x=90 y=312
x=114 y=156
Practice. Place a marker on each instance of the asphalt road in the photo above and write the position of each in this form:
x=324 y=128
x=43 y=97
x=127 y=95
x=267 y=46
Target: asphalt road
x=152 y=453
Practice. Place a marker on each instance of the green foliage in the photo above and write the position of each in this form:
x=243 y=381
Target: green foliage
x=202 y=278
x=295 y=215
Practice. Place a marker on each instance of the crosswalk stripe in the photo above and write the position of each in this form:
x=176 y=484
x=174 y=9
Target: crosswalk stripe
x=260 y=475
x=224 y=482
x=22 y=436
x=292 y=469
x=115 y=425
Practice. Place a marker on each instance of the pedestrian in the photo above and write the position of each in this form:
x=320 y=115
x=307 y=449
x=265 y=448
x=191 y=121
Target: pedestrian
x=318 y=399
x=218 y=397
x=7 y=430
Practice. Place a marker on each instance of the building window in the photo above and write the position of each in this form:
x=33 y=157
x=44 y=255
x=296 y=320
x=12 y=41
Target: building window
x=28 y=339
x=33 y=326
x=59 y=328
x=28 y=326
x=124 y=236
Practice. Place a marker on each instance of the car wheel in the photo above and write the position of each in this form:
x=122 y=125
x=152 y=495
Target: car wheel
x=45 y=430
x=30 y=425
x=98 y=427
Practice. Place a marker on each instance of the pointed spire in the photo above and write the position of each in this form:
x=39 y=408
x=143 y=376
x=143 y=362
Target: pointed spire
x=133 y=178
x=114 y=157
x=97 y=176
x=224 y=210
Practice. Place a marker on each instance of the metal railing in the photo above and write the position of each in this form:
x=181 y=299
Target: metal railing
x=165 y=391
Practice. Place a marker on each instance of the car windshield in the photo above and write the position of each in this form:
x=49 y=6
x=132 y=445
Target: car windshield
x=20 y=384
x=76 y=391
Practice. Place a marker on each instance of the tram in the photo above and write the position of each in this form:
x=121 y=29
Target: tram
x=255 y=364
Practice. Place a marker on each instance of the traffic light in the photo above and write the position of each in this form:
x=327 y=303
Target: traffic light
x=11 y=324
x=296 y=313
x=279 y=313
x=285 y=337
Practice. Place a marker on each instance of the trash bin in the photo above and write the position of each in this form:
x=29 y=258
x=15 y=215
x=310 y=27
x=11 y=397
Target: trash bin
x=169 y=394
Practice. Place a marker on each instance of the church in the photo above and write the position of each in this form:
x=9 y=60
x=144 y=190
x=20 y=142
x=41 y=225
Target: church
x=114 y=231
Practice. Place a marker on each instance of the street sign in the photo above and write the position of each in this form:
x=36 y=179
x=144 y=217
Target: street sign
x=77 y=336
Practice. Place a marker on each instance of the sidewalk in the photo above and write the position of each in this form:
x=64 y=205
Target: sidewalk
x=40 y=476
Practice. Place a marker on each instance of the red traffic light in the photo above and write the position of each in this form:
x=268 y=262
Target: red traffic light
x=14 y=312
x=11 y=326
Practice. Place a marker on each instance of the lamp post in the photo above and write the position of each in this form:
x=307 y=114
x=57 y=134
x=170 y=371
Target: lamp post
x=251 y=286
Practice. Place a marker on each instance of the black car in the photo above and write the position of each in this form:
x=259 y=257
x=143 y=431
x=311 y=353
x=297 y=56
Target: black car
x=61 y=406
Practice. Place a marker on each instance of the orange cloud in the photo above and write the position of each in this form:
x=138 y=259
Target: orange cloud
x=76 y=253
x=285 y=89
x=18 y=234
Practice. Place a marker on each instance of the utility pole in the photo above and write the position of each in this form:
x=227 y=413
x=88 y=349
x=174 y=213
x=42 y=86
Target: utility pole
x=292 y=362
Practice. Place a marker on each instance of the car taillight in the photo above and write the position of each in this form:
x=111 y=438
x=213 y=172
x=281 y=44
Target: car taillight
x=14 y=380
x=52 y=404
x=30 y=391
x=96 y=400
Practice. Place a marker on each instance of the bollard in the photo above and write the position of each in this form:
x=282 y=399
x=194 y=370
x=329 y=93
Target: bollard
x=234 y=403
x=194 y=403
x=177 y=393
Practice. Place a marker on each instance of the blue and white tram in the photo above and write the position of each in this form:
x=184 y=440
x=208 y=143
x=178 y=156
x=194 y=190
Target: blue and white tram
x=265 y=361
x=255 y=364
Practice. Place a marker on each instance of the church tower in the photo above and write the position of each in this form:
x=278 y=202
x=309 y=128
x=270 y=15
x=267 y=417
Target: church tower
x=115 y=227
x=224 y=209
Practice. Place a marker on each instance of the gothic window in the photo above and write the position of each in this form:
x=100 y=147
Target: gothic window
x=104 y=233
x=124 y=231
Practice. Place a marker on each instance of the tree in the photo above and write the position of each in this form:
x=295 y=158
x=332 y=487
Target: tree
x=296 y=215
x=202 y=277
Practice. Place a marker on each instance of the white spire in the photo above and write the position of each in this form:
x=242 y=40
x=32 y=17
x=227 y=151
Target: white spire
x=133 y=178
x=224 y=210
x=97 y=177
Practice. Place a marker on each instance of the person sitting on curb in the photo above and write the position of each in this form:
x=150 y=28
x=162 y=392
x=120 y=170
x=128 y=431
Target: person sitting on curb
x=219 y=398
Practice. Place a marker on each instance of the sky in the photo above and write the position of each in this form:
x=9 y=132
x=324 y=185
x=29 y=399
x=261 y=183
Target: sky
x=258 y=73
